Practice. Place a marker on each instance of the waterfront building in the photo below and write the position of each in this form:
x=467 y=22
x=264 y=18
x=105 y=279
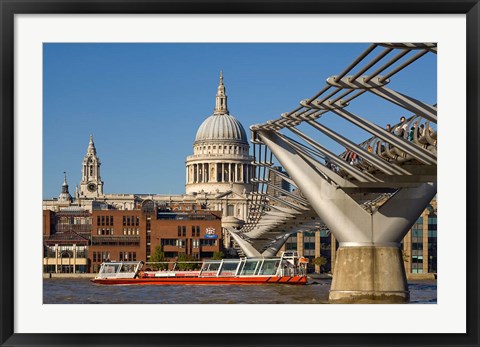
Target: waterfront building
x=77 y=240
x=66 y=238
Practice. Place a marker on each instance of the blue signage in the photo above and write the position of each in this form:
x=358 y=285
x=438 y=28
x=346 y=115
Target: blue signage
x=207 y=236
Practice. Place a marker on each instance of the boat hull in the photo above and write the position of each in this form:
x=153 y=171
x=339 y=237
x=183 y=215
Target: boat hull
x=293 y=280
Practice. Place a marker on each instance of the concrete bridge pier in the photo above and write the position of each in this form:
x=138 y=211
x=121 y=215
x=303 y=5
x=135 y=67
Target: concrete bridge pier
x=369 y=274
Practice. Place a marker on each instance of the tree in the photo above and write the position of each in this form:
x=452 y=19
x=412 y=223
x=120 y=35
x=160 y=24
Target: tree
x=156 y=257
x=186 y=262
x=321 y=262
x=218 y=255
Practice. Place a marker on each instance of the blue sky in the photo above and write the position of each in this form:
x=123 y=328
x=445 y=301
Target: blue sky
x=143 y=103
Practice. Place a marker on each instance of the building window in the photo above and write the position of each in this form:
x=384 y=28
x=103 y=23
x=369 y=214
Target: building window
x=417 y=246
x=432 y=243
x=168 y=242
x=184 y=230
x=208 y=242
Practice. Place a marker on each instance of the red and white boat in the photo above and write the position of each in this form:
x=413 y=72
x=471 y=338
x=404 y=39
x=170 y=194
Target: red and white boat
x=287 y=269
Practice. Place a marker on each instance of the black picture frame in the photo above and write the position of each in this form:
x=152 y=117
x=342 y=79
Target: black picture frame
x=9 y=8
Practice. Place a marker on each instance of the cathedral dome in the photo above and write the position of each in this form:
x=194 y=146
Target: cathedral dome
x=221 y=161
x=221 y=127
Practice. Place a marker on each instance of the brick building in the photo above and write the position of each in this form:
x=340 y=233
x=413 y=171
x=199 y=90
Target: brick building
x=76 y=240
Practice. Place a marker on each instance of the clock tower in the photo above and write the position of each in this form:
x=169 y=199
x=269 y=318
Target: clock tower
x=91 y=185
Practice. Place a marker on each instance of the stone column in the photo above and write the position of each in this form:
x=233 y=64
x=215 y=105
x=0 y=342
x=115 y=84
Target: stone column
x=56 y=258
x=196 y=170
x=300 y=244
x=317 y=249
x=74 y=257
x=213 y=174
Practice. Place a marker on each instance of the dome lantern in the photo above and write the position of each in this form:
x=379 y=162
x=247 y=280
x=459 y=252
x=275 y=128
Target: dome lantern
x=221 y=98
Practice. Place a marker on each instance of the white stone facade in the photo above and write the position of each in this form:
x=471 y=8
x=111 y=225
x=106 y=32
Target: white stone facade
x=91 y=185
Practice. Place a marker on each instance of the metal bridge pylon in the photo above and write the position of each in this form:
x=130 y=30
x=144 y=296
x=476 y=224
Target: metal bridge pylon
x=369 y=265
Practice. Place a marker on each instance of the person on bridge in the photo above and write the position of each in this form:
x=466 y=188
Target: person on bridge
x=411 y=134
x=401 y=130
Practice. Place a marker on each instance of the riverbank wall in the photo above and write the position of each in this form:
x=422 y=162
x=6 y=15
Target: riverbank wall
x=69 y=275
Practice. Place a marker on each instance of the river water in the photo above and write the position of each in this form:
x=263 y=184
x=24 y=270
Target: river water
x=82 y=291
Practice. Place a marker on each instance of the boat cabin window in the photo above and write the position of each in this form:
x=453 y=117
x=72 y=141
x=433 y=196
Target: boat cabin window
x=269 y=267
x=109 y=268
x=229 y=267
x=211 y=266
x=128 y=268
x=249 y=267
